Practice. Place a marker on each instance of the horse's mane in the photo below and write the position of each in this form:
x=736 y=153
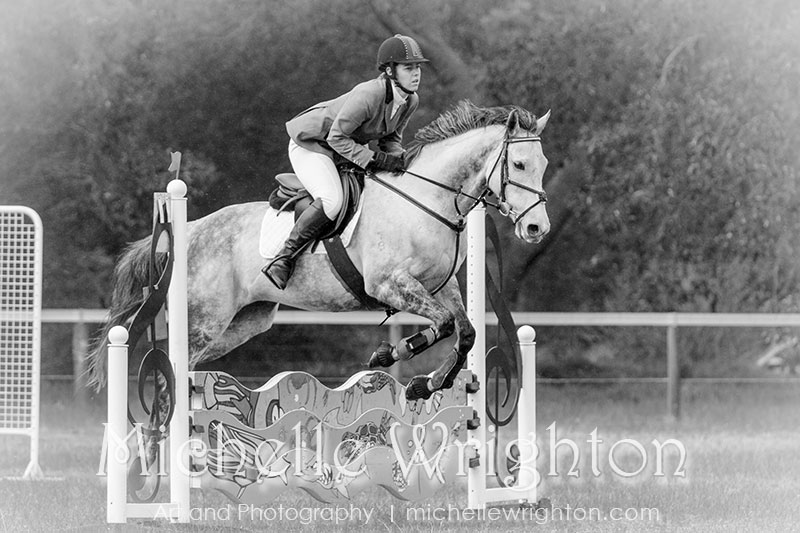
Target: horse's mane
x=463 y=117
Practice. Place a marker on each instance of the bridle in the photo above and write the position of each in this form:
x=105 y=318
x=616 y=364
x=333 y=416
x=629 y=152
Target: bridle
x=505 y=180
x=502 y=204
x=459 y=224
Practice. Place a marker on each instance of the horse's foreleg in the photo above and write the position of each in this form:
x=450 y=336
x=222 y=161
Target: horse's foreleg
x=405 y=293
x=388 y=354
x=450 y=296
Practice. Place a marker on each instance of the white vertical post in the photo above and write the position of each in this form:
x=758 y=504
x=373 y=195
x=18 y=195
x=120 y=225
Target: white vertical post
x=673 y=372
x=33 y=470
x=395 y=336
x=116 y=429
x=80 y=347
x=177 y=305
x=526 y=416
x=476 y=361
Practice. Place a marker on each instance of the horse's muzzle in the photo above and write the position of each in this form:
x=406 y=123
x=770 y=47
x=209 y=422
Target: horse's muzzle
x=532 y=232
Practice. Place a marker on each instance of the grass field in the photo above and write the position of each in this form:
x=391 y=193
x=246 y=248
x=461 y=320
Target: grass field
x=742 y=471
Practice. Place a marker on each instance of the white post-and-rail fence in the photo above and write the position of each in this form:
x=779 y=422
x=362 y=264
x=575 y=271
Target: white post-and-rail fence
x=82 y=318
x=178 y=507
x=20 y=327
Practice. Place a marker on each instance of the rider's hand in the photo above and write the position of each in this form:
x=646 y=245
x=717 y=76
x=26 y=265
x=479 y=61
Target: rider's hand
x=389 y=162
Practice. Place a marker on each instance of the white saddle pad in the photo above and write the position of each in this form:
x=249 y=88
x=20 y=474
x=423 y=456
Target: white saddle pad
x=275 y=229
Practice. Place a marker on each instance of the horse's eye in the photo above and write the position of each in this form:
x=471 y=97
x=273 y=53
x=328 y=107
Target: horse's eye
x=519 y=165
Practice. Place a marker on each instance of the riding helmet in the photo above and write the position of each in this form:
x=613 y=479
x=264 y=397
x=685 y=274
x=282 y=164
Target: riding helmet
x=399 y=49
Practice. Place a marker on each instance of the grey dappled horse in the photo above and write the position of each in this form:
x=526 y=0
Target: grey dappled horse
x=405 y=245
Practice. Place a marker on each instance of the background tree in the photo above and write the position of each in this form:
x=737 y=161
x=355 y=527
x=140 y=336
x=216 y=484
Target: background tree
x=672 y=144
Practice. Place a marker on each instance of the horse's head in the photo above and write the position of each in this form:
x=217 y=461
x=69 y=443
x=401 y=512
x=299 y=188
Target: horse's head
x=515 y=176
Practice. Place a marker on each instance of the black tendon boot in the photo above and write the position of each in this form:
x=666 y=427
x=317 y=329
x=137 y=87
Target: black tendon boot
x=308 y=227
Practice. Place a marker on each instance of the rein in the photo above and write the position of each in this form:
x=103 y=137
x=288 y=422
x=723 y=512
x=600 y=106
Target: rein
x=457 y=226
x=460 y=224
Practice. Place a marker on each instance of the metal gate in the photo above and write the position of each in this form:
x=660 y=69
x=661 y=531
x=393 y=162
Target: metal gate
x=20 y=326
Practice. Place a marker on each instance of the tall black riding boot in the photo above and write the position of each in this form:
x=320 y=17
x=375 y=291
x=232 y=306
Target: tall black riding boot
x=309 y=227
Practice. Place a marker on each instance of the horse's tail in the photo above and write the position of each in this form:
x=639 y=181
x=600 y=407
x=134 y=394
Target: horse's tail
x=130 y=275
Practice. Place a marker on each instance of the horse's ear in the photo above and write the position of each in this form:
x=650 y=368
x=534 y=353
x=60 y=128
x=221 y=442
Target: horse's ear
x=542 y=122
x=512 y=122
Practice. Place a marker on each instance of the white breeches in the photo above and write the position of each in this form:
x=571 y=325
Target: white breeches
x=319 y=176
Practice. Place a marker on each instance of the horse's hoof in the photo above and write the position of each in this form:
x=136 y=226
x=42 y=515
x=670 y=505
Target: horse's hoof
x=382 y=357
x=417 y=389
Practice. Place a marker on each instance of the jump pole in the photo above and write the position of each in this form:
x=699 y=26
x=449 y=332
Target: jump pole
x=178 y=313
x=117 y=427
x=476 y=360
x=525 y=489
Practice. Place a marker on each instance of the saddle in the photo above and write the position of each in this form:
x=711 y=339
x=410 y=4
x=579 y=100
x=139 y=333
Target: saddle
x=291 y=196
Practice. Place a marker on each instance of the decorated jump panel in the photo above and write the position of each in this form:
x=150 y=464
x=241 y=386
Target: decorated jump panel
x=332 y=464
x=340 y=406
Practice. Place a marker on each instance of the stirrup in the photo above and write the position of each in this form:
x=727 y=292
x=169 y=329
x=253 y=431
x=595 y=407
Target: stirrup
x=266 y=272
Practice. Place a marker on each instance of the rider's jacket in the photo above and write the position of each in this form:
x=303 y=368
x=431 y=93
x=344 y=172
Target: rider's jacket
x=346 y=124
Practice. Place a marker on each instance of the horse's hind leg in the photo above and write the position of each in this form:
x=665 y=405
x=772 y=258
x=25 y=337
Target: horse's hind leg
x=447 y=313
x=247 y=323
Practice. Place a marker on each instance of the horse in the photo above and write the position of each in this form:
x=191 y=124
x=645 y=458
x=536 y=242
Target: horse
x=405 y=245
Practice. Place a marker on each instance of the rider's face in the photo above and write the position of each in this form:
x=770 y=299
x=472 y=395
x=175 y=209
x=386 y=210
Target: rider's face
x=408 y=76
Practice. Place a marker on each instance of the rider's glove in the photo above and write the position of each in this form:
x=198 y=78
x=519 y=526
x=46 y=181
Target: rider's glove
x=389 y=162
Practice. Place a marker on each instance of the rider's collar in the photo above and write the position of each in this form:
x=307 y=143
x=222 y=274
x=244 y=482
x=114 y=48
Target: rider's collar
x=400 y=95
